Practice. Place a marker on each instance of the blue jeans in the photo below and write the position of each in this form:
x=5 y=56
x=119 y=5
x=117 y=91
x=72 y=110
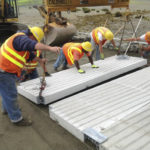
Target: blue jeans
x=8 y=92
x=146 y=54
x=95 y=48
x=61 y=59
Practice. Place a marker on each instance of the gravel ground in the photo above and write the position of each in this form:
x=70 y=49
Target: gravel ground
x=85 y=22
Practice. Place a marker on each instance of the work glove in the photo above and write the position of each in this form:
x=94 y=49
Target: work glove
x=47 y=74
x=81 y=71
x=102 y=55
x=94 y=66
x=116 y=48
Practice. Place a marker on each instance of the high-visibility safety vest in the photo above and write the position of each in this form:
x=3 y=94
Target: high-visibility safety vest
x=32 y=64
x=102 y=30
x=148 y=42
x=12 y=61
x=69 y=49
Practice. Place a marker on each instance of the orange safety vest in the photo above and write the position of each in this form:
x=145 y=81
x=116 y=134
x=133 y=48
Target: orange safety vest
x=102 y=30
x=12 y=61
x=147 y=40
x=32 y=64
x=68 y=50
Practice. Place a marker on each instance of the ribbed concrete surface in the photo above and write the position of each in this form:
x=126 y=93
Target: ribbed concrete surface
x=119 y=109
x=67 y=82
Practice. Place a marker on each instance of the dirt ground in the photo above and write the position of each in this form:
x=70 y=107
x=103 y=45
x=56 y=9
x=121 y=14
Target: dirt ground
x=85 y=22
x=45 y=134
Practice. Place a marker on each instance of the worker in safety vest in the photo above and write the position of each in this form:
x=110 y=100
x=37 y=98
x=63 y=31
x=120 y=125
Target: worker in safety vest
x=30 y=70
x=71 y=53
x=145 y=38
x=99 y=36
x=14 y=53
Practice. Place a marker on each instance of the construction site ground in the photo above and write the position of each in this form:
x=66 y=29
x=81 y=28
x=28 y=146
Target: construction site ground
x=45 y=134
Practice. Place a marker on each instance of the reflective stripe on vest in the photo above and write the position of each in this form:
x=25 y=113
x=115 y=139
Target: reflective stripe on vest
x=101 y=30
x=147 y=40
x=32 y=65
x=70 y=53
x=12 y=52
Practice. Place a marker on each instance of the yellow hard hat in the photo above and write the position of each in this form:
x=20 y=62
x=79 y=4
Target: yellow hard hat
x=37 y=33
x=147 y=36
x=87 y=46
x=109 y=35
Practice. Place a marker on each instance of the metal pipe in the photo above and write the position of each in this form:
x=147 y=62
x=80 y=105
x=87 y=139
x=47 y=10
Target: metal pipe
x=133 y=28
x=122 y=36
x=133 y=35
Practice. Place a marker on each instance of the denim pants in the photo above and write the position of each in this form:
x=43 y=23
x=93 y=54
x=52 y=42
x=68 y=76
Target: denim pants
x=8 y=92
x=95 y=48
x=61 y=59
x=146 y=54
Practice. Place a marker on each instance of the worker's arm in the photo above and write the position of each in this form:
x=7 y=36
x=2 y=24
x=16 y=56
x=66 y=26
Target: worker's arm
x=44 y=47
x=77 y=64
x=101 y=50
x=78 y=67
x=76 y=56
x=100 y=47
x=132 y=39
x=145 y=48
x=113 y=43
x=88 y=54
x=90 y=60
x=24 y=43
x=100 y=44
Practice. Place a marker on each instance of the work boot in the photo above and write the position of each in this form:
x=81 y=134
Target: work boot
x=55 y=69
x=47 y=74
x=24 y=122
x=65 y=67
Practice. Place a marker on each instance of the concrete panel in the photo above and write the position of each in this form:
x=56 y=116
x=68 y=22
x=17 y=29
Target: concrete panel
x=69 y=81
x=117 y=111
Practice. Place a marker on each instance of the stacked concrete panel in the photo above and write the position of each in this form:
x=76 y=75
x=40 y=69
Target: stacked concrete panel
x=69 y=81
x=116 y=115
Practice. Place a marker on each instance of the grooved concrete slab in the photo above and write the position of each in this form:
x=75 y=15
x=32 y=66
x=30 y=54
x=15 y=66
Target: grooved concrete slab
x=67 y=82
x=119 y=110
